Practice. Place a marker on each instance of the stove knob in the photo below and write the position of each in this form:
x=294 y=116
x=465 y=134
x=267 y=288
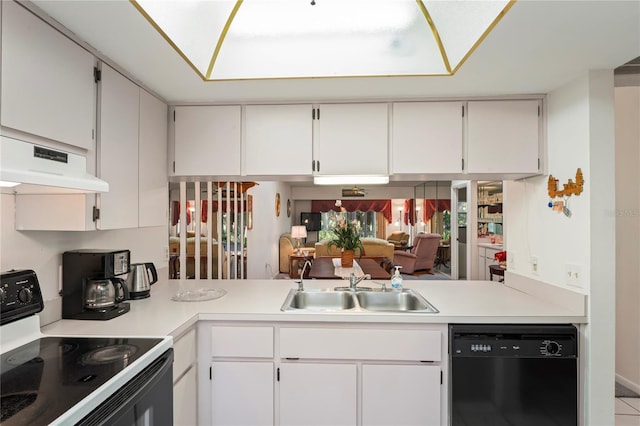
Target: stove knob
x=25 y=295
x=552 y=348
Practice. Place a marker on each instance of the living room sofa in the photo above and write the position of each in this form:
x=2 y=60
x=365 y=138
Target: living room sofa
x=399 y=239
x=174 y=250
x=373 y=247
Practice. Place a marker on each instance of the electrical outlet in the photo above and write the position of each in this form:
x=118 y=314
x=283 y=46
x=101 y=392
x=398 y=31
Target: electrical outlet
x=573 y=276
x=534 y=264
x=166 y=253
x=511 y=260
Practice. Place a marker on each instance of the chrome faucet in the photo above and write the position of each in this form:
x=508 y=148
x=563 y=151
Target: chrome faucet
x=300 y=282
x=353 y=281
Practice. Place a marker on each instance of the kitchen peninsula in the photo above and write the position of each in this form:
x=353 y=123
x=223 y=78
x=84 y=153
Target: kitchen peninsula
x=245 y=332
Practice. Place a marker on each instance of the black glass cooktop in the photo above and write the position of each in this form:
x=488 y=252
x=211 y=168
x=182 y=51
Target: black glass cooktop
x=43 y=379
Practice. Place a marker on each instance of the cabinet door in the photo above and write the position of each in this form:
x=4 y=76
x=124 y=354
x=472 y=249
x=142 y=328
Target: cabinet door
x=317 y=394
x=427 y=137
x=278 y=140
x=185 y=401
x=400 y=395
x=118 y=150
x=503 y=136
x=153 y=201
x=47 y=80
x=482 y=266
x=207 y=141
x=352 y=139
x=242 y=393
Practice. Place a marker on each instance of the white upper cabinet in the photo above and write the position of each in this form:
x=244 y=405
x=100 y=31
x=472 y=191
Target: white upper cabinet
x=351 y=139
x=426 y=137
x=153 y=198
x=207 y=141
x=118 y=150
x=48 y=87
x=503 y=136
x=278 y=140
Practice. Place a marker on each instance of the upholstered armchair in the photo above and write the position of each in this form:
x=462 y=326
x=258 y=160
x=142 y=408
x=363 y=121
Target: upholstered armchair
x=399 y=239
x=422 y=254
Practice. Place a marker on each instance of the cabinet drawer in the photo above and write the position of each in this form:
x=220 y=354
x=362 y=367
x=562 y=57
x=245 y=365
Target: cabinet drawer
x=401 y=345
x=230 y=341
x=184 y=353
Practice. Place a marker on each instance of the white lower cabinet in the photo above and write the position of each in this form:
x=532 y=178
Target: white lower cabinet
x=315 y=394
x=185 y=401
x=242 y=393
x=486 y=258
x=316 y=374
x=401 y=395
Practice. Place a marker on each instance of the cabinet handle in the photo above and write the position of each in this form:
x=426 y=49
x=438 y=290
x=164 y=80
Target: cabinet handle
x=318 y=161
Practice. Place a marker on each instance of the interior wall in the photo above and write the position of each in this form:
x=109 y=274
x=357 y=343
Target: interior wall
x=627 y=212
x=42 y=250
x=262 y=240
x=580 y=134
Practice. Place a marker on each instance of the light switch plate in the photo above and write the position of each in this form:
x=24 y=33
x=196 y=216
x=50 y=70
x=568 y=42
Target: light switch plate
x=573 y=275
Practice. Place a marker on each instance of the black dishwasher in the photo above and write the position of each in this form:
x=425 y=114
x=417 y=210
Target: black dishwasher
x=513 y=375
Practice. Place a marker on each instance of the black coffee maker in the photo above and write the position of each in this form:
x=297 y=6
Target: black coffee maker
x=91 y=286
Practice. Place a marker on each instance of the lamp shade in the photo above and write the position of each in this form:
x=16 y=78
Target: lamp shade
x=298 y=232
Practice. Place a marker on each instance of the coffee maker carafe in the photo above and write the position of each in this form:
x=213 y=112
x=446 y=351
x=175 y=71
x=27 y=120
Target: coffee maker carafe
x=91 y=287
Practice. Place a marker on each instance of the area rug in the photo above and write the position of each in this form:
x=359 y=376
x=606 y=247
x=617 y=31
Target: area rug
x=623 y=392
x=436 y=275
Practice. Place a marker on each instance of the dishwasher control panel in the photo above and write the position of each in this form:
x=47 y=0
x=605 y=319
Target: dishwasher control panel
x=504 y=341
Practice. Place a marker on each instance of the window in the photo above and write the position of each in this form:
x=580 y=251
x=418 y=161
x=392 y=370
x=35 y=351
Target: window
x=366 y=223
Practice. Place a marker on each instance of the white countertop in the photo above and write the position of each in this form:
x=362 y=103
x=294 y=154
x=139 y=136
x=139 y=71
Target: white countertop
x=260 y=300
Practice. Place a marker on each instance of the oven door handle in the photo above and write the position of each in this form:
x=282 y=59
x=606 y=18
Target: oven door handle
x=124 y=400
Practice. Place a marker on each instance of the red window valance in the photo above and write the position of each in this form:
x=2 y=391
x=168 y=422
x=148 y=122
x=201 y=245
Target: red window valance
x=432 y=206
x=381 y=206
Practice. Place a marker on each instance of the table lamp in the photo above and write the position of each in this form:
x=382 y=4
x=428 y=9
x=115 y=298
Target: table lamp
x=298 y=232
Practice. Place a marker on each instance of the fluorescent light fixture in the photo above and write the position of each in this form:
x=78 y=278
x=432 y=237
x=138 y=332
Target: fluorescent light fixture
x=264 y=39
x=7 y=184
x=351 y=180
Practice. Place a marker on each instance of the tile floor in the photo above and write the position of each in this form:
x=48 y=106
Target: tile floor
x=627 y=412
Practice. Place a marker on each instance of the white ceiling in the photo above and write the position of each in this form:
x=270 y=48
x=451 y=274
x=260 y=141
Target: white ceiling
x=537 y=47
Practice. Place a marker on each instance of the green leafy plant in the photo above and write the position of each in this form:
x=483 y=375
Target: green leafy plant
x=347 y=234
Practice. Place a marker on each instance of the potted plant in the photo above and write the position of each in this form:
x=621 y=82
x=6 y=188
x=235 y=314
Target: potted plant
x=347 y=236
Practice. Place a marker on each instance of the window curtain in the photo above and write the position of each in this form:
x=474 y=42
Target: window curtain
x=380 y=206
x=429 y=207
x=175 y=218
x=409 y=213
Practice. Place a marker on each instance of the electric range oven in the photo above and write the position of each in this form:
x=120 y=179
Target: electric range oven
x=64 y=380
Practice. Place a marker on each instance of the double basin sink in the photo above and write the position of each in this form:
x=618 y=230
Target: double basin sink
x=406 y=300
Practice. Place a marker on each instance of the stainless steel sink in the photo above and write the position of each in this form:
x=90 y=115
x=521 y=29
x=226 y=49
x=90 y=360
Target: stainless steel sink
x=318 y=300
x=406 y=300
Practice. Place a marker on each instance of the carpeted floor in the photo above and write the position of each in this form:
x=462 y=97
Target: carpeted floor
x=436 y=275
x=623 y=392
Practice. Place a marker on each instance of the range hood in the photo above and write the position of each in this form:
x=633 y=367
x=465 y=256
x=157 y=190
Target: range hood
x=28 y=168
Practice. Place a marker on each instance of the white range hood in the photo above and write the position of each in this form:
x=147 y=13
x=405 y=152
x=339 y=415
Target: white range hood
x=28 y=168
